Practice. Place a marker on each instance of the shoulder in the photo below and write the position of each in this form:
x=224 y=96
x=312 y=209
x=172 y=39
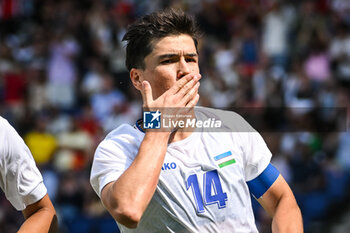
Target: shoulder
x=113 y=155
x=231 y=121
x=216 y=112
x=125 y=132
x=4 y=125
x=122 y=137
x=9 y=137
x=6 y=129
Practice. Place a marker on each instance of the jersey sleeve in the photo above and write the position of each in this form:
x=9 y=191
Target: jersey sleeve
x=257 y=155
x=21 y=180
x=111 y=159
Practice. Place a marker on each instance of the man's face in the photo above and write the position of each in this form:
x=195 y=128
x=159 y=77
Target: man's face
x=172 y=58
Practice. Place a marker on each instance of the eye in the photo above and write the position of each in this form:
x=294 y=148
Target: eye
x=191 y=59
x=168 y=61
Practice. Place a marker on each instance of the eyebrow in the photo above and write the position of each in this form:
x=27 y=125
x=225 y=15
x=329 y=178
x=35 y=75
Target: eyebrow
x=170 y=55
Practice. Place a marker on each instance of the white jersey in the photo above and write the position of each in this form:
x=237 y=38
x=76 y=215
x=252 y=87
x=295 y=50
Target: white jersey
x=202 y=186
x=20 y=179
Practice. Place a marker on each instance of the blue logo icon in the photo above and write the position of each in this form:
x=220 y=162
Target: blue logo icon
x=151 y=120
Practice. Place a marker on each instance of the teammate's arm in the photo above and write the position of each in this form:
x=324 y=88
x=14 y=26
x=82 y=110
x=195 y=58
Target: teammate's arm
x=280 y=204
x=40 y=217
x=127 y=198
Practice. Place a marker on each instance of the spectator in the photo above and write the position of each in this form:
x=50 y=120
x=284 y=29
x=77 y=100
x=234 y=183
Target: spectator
x=104 y=101
x=41 y=143
x=62 y=71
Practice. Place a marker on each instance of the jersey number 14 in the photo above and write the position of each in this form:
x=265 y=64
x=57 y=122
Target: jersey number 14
x=212 y=190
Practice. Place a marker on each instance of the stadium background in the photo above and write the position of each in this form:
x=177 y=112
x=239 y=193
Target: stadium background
x=63 y=86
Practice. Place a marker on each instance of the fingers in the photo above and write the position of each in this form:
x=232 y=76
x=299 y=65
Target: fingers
x=190 y=94
x=146 y=93
x=187 y=87
x=188 y=80
x=193 y=102
x=182 y=92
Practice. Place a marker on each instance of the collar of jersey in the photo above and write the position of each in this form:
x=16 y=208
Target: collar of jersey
x=138 y=125
x=139 y=122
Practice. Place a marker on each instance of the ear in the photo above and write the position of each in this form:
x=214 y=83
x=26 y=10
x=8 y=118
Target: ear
x=136 y=78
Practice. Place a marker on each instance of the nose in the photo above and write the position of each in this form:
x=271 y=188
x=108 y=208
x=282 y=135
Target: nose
x=183 y=68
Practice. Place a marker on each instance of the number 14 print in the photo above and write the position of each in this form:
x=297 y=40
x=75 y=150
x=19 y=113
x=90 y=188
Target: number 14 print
x=211 y=182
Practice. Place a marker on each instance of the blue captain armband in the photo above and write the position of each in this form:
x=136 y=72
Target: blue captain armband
x=263 y=182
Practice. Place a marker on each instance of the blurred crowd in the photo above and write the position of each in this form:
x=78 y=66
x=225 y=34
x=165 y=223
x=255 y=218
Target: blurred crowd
x=64 y=86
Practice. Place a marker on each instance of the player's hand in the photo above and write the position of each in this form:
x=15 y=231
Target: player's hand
x=184 y=94
x=176 y=103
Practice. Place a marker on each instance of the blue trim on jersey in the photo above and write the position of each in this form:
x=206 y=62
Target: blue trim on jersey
x=138 y=126
x=263 y=182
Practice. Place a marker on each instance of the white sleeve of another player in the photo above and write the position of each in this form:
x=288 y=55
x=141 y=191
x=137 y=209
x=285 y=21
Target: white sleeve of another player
x=110 y=161
x=22 y=182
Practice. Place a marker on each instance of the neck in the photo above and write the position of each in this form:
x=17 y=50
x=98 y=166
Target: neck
x=181 y=134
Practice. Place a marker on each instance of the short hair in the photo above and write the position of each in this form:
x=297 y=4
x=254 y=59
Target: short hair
x=142 y=34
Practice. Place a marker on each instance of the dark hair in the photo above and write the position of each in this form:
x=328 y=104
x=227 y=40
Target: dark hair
x=141 y=35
